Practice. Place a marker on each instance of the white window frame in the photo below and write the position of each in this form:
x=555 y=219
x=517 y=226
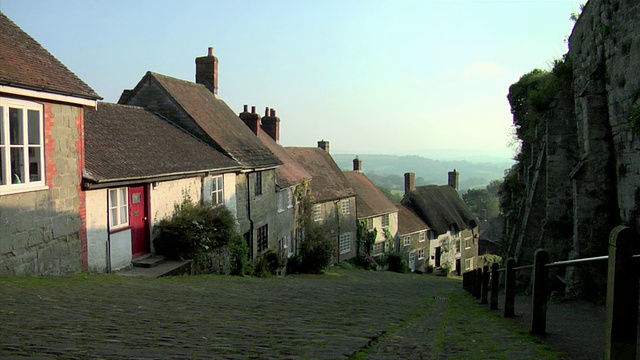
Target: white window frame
x=468 y=264
x=422 y=236
x=217 y=192
x=317 y=212
x=420 y=254
x=345 y=206
x=118 y=208
x=345 y=243
x=281 y=200
x=21 y=181
x=406 y=240
x=385 y=219
x=289 y=198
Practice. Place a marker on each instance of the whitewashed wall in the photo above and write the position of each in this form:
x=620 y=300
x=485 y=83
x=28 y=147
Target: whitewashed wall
x=97 y=236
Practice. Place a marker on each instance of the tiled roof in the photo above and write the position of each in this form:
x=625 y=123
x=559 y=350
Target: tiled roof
x=439 y=206
x=290 y=173
x=328 y=182
x=124 y=142
x=408 y=221
x=220 y=123
x=370 y=201
x=24 y=63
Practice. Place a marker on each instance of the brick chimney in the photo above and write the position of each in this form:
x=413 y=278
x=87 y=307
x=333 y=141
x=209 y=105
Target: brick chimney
x=454 y=179
x=251 y=119
x=324 y=145
x=271 y=124
x=357 y=164
x=207 y=71
x=409 y=182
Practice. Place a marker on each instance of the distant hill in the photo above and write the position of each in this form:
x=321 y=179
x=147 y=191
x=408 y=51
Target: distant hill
x=388 y=170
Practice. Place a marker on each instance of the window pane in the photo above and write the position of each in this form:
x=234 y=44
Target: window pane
x=114 y=216
x=17 y=166
x=15 y=127
x=34 y=164
x=123 y=215
x=113 y=198
x=123 y=196
x=1 y=125
x=34 y=127
x=2 y=167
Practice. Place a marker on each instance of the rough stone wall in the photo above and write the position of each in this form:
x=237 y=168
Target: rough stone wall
x=591 y=168
x=42 y=232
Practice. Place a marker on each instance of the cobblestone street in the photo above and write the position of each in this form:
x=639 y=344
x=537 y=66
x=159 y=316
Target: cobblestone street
x=346 y=313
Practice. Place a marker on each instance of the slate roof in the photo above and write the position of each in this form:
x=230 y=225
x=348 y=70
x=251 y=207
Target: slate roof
x=439 y=206
x=290 y=173
x=125 y=142
x=370 y=201
x=328 y=182
x=220 y=123
x=24 y=63
x=408 y=221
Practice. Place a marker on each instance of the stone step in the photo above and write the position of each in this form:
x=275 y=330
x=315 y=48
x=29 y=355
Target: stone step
x=148 y=261
x=167 y=268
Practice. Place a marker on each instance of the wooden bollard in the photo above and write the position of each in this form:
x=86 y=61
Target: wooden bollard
x=495 y=284
x=485 y=285
x=621 y=329
x=478 y=283
x=510 y=289
x=540 y=292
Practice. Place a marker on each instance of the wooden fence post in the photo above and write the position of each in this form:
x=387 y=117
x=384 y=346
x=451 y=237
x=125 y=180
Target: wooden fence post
x=495 y=284
x=485 y=285
x=510 y=289
x=478 y=283
x=621 y=330
x=540 y=289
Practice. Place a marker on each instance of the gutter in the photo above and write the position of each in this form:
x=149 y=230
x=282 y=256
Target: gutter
x=90 y=183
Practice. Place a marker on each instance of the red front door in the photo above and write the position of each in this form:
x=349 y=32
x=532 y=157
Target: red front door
x=138 y=221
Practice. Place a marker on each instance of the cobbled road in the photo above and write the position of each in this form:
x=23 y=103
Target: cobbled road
x=343 y=314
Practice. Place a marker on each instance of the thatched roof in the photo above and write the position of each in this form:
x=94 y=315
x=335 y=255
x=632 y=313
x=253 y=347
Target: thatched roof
x=440 y=206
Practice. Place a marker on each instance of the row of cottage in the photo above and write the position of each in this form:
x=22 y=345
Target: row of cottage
x=84 y=182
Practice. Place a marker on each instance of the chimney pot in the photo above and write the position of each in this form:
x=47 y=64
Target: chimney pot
x=266 y=111
x=324 y=145
x=207 y=71
x=409 y=182
x=273 y=112
x=253 y=109
x=246 y=108
x=210 y=51
x=357 y=164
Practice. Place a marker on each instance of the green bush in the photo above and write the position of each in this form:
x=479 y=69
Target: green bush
x=366 y=262
x=316 y=250
x=396 y=262
x=196 y=229
x=294 y=265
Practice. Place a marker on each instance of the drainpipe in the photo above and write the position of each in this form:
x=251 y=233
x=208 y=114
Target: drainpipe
x=249 y=215
x=108 y=236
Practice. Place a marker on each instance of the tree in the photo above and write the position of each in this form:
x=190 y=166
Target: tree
x=479 y=199
x=393 y=197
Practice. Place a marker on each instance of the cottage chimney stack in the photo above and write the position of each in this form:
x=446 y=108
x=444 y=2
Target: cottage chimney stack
x=454 y=179
x=324 y=145
x=357 y=164
x=207 y=71
x=409 y=182
x=251 y=119
x=271 y=124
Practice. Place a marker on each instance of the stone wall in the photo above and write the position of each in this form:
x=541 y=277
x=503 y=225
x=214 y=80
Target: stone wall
x=42 y=232
x=587 y=176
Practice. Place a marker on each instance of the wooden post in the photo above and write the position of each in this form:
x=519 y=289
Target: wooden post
x=495 y=285
x=478 y=283
x=621 y=329
x=510 y=289
x=540 y=289
x=485 y=285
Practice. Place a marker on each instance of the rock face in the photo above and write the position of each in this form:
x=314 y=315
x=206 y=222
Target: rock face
x=581 y=163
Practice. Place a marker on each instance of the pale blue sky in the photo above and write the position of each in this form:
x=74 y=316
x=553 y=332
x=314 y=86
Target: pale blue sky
x=387 y=77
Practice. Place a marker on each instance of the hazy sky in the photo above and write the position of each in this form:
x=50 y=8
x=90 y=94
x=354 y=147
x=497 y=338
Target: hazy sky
x=388 y=77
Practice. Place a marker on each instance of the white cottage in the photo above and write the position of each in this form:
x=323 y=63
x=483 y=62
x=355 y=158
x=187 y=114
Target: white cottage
x=138 y=168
